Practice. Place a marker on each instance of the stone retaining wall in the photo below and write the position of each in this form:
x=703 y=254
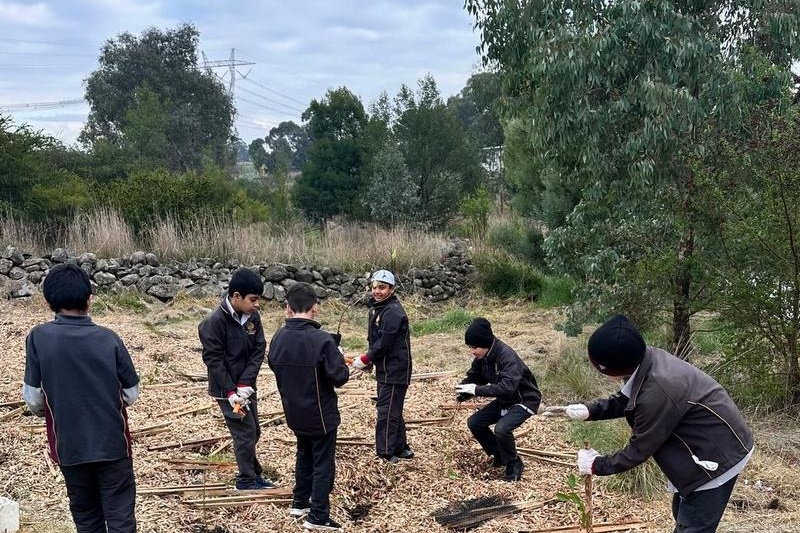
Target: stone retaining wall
x=21 y=275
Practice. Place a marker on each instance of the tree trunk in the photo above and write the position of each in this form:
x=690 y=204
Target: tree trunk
x=793 y=371
x=681 y=329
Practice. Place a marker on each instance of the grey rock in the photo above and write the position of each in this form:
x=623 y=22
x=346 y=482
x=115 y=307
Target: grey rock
x=151 y=259
x=59 y=255
x=304 y=275
x=269 y=291
x=87 y=257
x=138 y=258
x=163 y=292
x=104 y=278
x=130 y=279
x=20 y=289
x=275 y=272
x=16 y=273
x=5 y=266
x=36 y=277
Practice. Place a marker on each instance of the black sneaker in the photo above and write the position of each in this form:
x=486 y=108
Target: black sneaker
x=265 y=483
x=405 y=453
x=249 y=485
x=391 y=459
x=329 y=525
x=514 y=470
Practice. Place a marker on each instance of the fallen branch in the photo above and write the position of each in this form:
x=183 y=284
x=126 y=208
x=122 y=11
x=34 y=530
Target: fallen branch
x=271 y=421
x=475 y=517
x=221 y=446
x=242 y=503
x=17 y=403
x=421 y=421
x=183 y=411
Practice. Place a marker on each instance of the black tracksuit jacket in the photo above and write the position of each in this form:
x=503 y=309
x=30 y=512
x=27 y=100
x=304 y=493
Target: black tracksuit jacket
x=308 y=366
x=503 y=375
x=389 y=338
x=232 y=352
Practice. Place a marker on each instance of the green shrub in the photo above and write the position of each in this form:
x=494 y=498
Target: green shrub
x=520 y=239
x=504 y=276
x=454 y=320
x=609 y=436
x=556 y=291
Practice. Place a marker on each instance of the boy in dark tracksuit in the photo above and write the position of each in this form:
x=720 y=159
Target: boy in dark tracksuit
x=497 y=371
x=233 y=350
x=679 y=416
x=308 y=365
x=389 y=338
x=80 y=377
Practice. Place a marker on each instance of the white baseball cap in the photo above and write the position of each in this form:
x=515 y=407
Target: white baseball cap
x=384 y=276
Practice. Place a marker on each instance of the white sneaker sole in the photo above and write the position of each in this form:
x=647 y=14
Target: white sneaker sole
x=308 y=525
x=299 y=513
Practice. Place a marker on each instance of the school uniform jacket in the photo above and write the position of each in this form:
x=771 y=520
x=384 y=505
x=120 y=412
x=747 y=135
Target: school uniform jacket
x=389 y=338
x=308 y=365
x=676 y=411
x=232 y=352
x=503 y=375
x=82 y=370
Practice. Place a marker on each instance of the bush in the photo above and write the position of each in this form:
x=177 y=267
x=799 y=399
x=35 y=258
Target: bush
x=520 y=239
x=556 y=291
x=608 y=436
x=504 y=276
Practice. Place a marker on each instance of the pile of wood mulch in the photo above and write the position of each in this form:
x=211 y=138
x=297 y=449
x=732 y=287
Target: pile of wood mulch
x=185 y=470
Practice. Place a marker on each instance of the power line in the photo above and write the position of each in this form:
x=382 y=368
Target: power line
x=263 y=106
x=290 y=108
x=271 y=90
x=43 y=105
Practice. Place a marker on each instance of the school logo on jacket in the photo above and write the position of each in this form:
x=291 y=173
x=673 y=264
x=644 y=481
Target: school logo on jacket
x=250 y=328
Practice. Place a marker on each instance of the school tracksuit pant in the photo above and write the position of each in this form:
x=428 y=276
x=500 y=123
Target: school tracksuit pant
x=390 y=429
x=500 y=443
x=245 y=434
x=314 y=472
x=102 y=496
x=701 y=511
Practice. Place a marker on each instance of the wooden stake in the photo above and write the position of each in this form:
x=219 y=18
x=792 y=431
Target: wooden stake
x=602 y=527
x=462 y=405
x=587 y=488
x=18 y=403
x=13 y=413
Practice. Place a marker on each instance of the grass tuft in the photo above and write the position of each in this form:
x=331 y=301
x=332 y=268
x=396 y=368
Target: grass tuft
x=453 y=320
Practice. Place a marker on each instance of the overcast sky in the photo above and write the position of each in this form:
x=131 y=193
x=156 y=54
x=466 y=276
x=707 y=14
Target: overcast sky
x=300 y=49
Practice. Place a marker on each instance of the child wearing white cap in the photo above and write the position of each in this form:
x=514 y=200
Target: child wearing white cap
x=389 y=338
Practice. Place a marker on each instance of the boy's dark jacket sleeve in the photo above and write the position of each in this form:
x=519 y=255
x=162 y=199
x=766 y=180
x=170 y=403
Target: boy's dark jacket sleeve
x=336 y=372
x=392 y=320
x=212 y=337
x=509 y=374
x=474 y=374
x=125 y=369
x=250 y=373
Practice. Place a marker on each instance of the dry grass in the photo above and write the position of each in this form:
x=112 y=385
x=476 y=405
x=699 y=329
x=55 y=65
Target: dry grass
x=448 y=467
x=350 y=247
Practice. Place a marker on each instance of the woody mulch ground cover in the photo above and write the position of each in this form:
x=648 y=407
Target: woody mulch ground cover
x=184 y=473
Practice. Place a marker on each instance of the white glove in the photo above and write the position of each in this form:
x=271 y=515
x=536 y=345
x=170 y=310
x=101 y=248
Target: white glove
x=358 y=362
x=466 y=388
x=245 y=392
x=575 y=411
x=234 y=398
x=585 y=460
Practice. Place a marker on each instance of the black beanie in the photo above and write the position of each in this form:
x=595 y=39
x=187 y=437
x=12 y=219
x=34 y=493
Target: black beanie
x=479 y=334
x=616 y=348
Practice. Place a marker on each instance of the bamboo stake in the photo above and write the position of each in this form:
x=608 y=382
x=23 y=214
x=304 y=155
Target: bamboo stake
x=432 y=375
x=183 y=410
x=17 y=403
x=587 y=488
x=238 y=503
x=270 y=421
x=221 y=446
x=421 y=421
x=187 y=444
x=602 y=527
x=50 y=465
x=548 y=453
x=177 y=489
x=544 y=459
x=12 y=413
x=462 y=405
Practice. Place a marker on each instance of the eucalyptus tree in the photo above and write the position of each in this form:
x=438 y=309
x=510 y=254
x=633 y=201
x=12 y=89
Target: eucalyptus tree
x=620 y=100
x=151 y=87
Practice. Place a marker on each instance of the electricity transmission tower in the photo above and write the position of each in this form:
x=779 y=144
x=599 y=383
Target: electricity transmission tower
x=231 y=64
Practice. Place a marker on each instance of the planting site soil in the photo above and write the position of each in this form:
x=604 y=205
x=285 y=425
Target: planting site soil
x=185 y=485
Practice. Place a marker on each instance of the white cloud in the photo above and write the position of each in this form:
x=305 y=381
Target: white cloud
x=35 y=15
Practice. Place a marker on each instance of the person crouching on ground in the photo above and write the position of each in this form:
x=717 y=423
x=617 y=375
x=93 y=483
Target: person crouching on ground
x=679 y=416
x=80 y=377
x=497 y=371
x=233 y=350
x=308 y=365
x=389 y=338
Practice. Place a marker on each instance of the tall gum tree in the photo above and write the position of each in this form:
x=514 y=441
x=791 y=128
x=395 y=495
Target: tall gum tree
x=620 y=99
